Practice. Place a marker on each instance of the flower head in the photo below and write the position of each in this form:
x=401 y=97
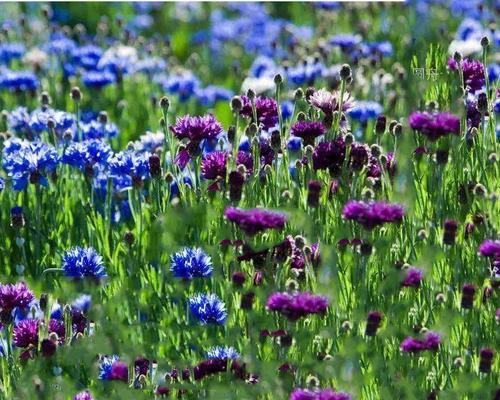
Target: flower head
x=328 y=102
x=430 y=341
x=266 y=109
x=83 y=262
x=435 y=125
x=112 y=369
x=255 y=220
x=297 y=305
x=308 y=131
x=372 y=214
x=222 y=353
x=364 y=111
x=14 y=296
x=208 y=309
x=413 y=277
x=85 y=395
x=213 y=165
x=191 y=263
x=25 y=333
x=330 y=155
x=196 y=129
x=490 y=248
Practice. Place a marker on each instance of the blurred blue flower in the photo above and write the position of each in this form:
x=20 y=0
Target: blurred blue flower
x=11 y=51
x=365 y=110
x=208 y=309
x=222 y=353
x=98 y=79
x=82 y=303
x=191 y=263
x=18 y=81
x=98 y=130
x=106 y=365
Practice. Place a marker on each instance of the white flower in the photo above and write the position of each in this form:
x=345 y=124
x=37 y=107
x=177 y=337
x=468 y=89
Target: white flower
x=36 y=57
x=465 y=47
x=258 y=85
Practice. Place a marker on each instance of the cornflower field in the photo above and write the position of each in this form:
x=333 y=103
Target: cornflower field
x=272 y=201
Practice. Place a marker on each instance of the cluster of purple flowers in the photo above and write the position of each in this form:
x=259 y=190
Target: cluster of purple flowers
x=431 y=341
x=323 y=394
x=435 y=126
x=373 y=214
x=256 y=220
x=297 y=305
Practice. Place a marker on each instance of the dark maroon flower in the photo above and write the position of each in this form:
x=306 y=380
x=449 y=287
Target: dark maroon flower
x=258 y=277
x=308 y=131
x=119 y=372
x=213 y=166
x=255 y=220
x=162 y=391
x=238 y=278
x=25 y=333
x=236 y=181
x=468 y=294
x=413 y=277
x=12 y=296
x=450 y=231
x=154 y=165
x=373 y=323
x=373 y=214
x=247 y=300
x=78 y=321
x=297 y=305
x=48 y=348
x=359 y=156
x=141 y=366
x=485 y=360
x=436 y=125
x=313 y=193
x=209 y=367
x=330 y=155
x=266 y=109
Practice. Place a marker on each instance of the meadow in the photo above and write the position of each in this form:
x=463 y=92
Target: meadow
x=249 y=201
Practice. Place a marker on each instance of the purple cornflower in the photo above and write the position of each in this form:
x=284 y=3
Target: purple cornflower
x=57 y=326
x=266 y=109
x=328 y=102
x=255 y=220
x=359 y=156
x=13 y=296
x=213 y=165
x=308 y=131
x=473 y=73
x=430 y=341
x=194 y=129
x=436 y=125
x=25 y=333
x=329 y=155
x=373 y=214
x=413 y=277
x=245 y=159
x=85 y=395
x=450 y=228
x=490 y=248
x=297 y=305
x=141 y=366
x=209 y=367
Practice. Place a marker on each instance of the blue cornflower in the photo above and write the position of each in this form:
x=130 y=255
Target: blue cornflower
x=82 y=262
x=98 y=79
x=183 y=84
x=11 y=51
x=39 y=118
x=365 y=110
x=212 y=94
x=106 y=365
x=82 y=303
x=97 y=130
x=345 y=40
x=18 y=121
x=151 y=65
x=57 y=311
x=30 y=162
x=294 y=144
x=18 y=81
x=286 y=109
x=86 y=56
x=119 y=59
x=208 y=309
x=130 y=163
x=2 y=184
x=85 y=155
x=150 y=142
x=222 y=353
x=191 y=263
x=59 y=45
x=305 y=73
x=263 y=66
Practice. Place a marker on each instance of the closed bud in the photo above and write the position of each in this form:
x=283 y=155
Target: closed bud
x=346 y=326
x=51 y=124
x=480 y=190
x=251 y=94
x=76 y=94
x=45 y=99
x=129 y=238
x=298 y=94
x=345 y=71
x=349 y=139
x=169 y=178
x=458 y=362
x=457 y=56
x=278 y=79
x=164 y=103
x=375 y=150
x=397 y=130
x=236 y=104
x=485 y=42
x=154 y=166
x=301 y=116
x=482 y=103
x=380 y=124
x=103 y=117
x=309 y=92
x=492 y=158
